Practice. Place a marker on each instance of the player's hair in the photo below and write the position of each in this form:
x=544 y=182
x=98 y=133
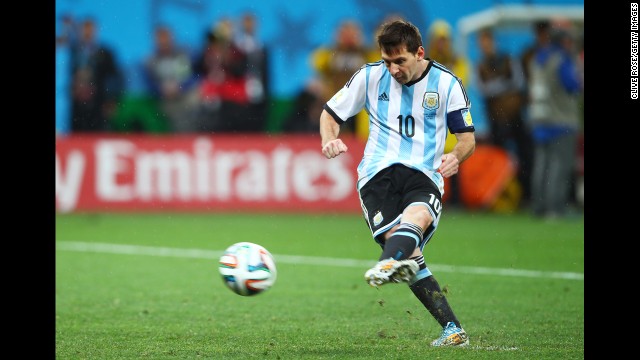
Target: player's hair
x=397 y=33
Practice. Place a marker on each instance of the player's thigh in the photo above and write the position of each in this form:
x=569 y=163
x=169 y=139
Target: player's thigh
x=418 y=190
x=381 y=202
x=420 y=193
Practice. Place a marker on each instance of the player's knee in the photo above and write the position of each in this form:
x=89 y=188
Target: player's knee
x=419 y=216
x=425 y=218
x=388 y=233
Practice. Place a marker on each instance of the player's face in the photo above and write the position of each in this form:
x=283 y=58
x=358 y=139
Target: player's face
x=403 y=65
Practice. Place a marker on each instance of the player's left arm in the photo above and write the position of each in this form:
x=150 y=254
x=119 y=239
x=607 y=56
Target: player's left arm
x=464 y=147
x=461 y=125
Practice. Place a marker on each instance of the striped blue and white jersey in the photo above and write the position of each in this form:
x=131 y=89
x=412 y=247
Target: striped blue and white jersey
x=407 y=123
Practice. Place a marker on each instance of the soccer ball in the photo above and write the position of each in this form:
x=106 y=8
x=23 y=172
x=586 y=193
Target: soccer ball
x=247 y=269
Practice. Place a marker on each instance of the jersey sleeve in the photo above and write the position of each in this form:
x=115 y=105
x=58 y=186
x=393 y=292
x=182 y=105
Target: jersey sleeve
x=349 y=100
x=459 y=119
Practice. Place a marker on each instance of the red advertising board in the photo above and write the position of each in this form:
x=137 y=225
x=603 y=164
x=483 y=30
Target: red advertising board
x=247 y=172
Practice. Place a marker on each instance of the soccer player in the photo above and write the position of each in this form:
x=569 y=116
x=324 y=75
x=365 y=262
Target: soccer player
x=411 y=101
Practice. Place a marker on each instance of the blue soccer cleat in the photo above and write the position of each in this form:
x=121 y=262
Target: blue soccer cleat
x=452 y=336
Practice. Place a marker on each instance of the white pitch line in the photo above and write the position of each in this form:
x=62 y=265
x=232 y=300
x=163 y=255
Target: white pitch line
x=495 y=348
x=296 y=259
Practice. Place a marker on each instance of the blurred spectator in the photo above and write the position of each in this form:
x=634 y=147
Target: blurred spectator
x=554 y=92
x=257 y=71
x=170 y=79
x=307 y=107
x=501 y=83
x=542 y=38
x=209 y=69
x=223 y=96
x=96 y=82
x=335 y=64
x=441 y=49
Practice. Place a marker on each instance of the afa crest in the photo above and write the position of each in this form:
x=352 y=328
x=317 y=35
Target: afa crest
x=431 y=100
x=377 y=218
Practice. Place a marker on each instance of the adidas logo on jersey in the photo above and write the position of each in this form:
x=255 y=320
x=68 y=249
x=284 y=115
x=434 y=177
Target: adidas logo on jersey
x=383 y=97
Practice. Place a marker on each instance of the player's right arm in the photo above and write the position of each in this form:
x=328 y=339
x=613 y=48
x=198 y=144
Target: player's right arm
x=347 y=102
x=329 y=130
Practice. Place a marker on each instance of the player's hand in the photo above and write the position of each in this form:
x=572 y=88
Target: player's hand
x=334 y=148
x=449 y=165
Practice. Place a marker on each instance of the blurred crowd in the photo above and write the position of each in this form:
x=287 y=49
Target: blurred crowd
x=533 y=100
x=223 y=86
x=534 y=110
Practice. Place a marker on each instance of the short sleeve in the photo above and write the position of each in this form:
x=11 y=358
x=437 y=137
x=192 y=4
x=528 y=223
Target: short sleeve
x=349 y=100
x=459 y=117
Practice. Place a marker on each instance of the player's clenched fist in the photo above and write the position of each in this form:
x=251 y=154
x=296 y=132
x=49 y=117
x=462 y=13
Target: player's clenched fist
x=334 y=148
x=449 y=166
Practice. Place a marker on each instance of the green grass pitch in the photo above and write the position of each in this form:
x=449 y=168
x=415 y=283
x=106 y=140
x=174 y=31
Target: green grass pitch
x=146 y=286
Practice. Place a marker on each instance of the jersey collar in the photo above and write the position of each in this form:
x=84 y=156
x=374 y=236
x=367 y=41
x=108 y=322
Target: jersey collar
x=424 y=73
